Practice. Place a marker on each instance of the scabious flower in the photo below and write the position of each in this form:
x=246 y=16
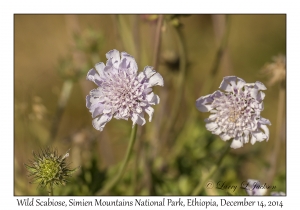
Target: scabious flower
x=235 y=113
x=122 y=93
x=48 y=168
x=254 y=188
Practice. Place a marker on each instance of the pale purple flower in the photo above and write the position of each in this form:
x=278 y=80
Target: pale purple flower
x=122 y=93
x=235 y=113
x=255 y=188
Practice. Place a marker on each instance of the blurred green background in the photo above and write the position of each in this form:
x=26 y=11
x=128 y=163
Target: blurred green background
x=52 y=55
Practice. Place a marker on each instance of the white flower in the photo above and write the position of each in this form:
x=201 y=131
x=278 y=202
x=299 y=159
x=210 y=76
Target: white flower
x=122 y=93
x=235 y=113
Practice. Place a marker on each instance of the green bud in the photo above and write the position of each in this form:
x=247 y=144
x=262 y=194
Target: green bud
x=49 y=169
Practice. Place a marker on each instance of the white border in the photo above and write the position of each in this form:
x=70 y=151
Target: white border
x=9 y=8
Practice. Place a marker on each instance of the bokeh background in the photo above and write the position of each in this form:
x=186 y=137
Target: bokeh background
x=53 y=53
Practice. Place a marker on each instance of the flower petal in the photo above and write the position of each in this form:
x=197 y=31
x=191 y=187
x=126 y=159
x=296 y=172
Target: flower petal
x=203 y=103
x=266 y=130
x=98 y=110
x=225 y=136
x=149 y=110
x=259 y=135
x=236 y=144
x=227 y=83
x=260 y=86
x=113 y=54
x=100 y=68
x=87 y=101
x=91 y=101
x=264 y=121
x=254 y=93
x=152 y=99
x=218 y=131
x=131 y=64
x=240 y=83
x=149 y=71
x=246 y=136
x=260 y=96
x=113 y=61
x=93 y=76
x=100 y=122
x=211 y=126
x=147 y=90
x=138 y=119
x=156 y=79
x=253 y=140
x=212 y=116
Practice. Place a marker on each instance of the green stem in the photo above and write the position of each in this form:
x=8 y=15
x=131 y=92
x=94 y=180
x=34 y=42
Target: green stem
x=177 y=103
x=153 y=147
x=207 y=87
x=127 y=36
x=212 y=171
x=111 y=184
x=63 y=99
x=50 y=189
x=157 y=42
x=137 y=161
x=277 y=139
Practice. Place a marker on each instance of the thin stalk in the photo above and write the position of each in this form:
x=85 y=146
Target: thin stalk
x=63 y=99
x=217 y=60
x=137 y=161
x=73 y=27
x=111 y=184
x=157 y=41
x=180 y=87
x=136 y=37
x=212 y=171
x=275 y=152
x=127 y=36
x=51 y=189
x=220 y=22
x=117 y=31
x=149 y=156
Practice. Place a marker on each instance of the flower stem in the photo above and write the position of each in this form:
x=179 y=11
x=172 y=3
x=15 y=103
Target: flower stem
x=63 y=99
x=212 y=171
x=50 y=189
x=177 y=103
x=111 y=184
x=157 y=42
x=277 y=143
x=207 y=87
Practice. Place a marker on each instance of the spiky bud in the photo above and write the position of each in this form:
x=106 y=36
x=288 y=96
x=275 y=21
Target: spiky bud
x=49 y=169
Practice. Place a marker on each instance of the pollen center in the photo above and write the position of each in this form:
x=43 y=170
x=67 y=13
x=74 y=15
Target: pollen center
x=123 y=93
x=234 y=116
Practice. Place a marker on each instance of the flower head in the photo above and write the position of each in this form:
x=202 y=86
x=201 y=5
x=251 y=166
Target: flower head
x=48 y=168
x=235 y=113
x=122 y=93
